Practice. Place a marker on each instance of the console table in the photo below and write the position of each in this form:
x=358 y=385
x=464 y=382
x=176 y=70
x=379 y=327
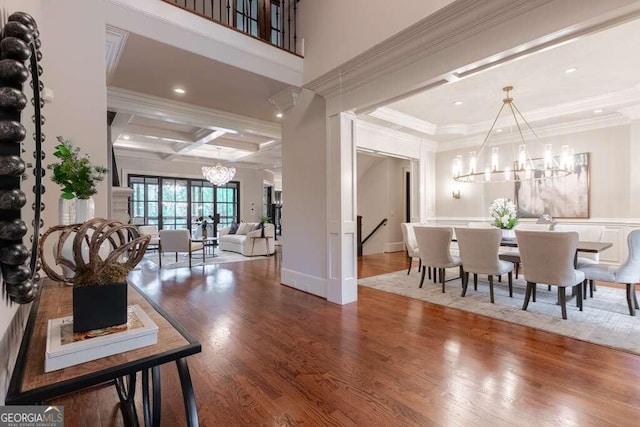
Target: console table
x=31 y=385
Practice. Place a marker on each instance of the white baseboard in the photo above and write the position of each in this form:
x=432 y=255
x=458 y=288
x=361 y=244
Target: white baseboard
x=304 y=282
x=394 y=247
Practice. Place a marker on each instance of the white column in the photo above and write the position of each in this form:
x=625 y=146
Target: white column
x=427 y=182
x=634 y=155
x=120 y=204
x=342 y=277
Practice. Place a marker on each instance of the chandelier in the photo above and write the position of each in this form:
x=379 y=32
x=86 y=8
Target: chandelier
x=218 y=174
x=523 y=167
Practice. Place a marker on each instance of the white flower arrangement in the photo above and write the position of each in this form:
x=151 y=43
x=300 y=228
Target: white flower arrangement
x=503 y=211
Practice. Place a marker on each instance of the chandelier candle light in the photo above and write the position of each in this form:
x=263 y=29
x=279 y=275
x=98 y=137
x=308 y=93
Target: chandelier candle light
x=218 y=174
x=523 y=168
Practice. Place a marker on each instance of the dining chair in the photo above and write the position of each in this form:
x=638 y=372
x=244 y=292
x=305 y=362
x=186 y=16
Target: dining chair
x=628 y=273
x=480 y=225
x=548 y=258
x=586 y=233
x=411 y=245
x=434 y=247
x=177 y=241
x=513 y=254
x=479 y=249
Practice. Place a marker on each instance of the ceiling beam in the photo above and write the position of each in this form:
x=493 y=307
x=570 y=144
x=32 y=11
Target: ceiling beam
x=202 y=141
x=166 y=134
x=120 y=121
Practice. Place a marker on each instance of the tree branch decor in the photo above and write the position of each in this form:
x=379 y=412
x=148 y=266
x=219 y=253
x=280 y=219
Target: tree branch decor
x=126 y=244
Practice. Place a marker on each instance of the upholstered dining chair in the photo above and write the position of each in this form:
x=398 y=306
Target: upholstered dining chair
x=628 y=273
x=479 y=252
x=411 y=245
x=178 y=241
x=513 y=254
x=548 y=258
x=586 y=233
x=434 y=246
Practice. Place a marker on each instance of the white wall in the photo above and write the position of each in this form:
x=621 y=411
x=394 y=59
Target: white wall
x=381 y=195
x=304 y=186
x=251 y=181
x=333 y=29
x=609 y=176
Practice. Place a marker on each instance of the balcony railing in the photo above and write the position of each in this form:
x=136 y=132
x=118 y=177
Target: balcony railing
x=272 y=21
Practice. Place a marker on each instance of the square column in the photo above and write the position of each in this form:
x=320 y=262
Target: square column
x=342 y=277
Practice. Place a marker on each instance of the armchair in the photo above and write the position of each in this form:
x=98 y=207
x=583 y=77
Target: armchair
x=177 y=241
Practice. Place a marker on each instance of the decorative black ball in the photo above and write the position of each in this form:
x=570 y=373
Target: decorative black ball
x=13 y=230
x=12 y=99
x=25 y=298
x=11 y=131
x=14 y=48
x=42 y=155
x=16 y=273
x=15 y=254
x=11 y=166
x=18 y=30
x=13 y=72
x=35 y=189
x=12 y=199
x=23 y=18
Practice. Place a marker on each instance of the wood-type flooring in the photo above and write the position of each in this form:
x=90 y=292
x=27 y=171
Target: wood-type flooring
x=273 y=355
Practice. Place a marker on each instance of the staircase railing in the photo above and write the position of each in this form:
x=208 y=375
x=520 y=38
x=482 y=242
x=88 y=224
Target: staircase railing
x=272 y=21
x=361 y=241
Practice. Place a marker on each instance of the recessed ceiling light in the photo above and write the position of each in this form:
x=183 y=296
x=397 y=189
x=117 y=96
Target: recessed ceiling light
x=458 y=103
x=125 y=137
x=570 y=70
x=279 y=115
x=598 y=110
x=179 y=90
x=498 y=130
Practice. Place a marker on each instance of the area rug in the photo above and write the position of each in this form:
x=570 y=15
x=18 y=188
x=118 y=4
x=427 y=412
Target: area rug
x=605 y=319
x=169 y=260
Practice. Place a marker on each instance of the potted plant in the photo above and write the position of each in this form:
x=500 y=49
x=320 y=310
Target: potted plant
x=504 y=214
x=264 y=220
x=204 y=223
x=78 y=179
x=99 y=280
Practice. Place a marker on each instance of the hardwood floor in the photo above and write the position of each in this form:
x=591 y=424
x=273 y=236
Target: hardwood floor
x=273 y=355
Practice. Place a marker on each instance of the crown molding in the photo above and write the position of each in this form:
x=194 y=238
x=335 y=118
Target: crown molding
x=633 y=112
x=128 y=101
x=446 y=27
x=599 y=122
x=115 y=40
x=394 y=116
x=452 y=25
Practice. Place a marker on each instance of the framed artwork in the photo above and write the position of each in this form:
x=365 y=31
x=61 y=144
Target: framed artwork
x=565 y=197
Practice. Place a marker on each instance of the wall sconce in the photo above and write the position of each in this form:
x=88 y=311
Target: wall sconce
x=455 y=193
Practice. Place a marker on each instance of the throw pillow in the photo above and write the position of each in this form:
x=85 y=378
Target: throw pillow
x=234 y=228
x=244 y=228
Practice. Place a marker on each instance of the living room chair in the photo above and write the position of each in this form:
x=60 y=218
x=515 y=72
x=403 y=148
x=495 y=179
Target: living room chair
x=479 y=249
x=549 y=259
x=434 y=245
x=178 y=241
x=150 y=230
x=628 y=273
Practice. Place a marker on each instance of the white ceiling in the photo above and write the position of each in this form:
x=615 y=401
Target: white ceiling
x=607 y=77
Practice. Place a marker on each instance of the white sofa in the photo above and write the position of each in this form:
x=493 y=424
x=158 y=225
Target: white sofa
x=247 y=239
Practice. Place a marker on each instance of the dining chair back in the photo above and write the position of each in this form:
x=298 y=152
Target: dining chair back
x=480 y=225
x=434 y=247
x=548 y=258
x=479 y=249
x=586 y=233
x=410 y=243
x=627 y=274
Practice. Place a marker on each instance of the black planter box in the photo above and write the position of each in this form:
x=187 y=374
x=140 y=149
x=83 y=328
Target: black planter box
x=97 y=307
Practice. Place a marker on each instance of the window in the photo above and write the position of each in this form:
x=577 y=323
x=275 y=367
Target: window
x=174 y=203
x=247 y=16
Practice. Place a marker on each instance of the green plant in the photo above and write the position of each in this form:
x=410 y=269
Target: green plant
x=265 y=219
x=75 y=173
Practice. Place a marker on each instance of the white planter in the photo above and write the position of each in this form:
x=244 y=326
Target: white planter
x=66 y=211
x=508 y=234
x=85 y=209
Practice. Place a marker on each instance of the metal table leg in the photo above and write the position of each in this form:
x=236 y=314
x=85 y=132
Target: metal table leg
x=187 y=393
x=127 y=394
x=152 y=410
